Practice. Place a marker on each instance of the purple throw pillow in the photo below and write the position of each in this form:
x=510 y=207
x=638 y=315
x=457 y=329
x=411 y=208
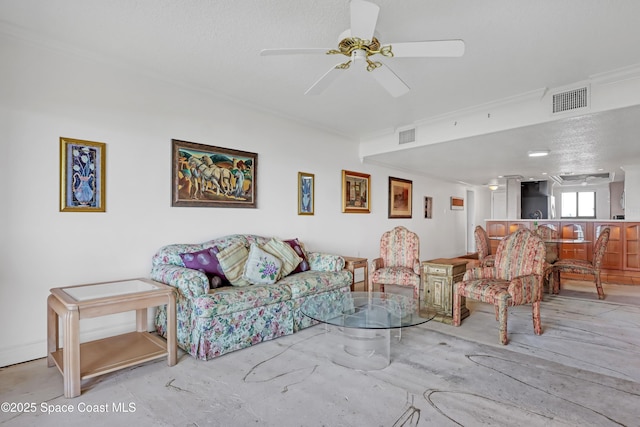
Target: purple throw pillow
x=304 y=264
x=207 y=262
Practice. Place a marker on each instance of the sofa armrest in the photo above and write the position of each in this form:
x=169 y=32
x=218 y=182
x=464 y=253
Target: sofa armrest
x=319 y=261
x=191 y=283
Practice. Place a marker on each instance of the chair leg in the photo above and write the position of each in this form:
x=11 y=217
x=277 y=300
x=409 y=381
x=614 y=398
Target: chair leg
x=556 y=281
x=537 y=323
x=457 y=302
x=502 y=309
x=599 y=285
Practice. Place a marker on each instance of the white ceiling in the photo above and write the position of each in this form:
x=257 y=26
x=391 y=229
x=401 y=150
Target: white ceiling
x=512 y=47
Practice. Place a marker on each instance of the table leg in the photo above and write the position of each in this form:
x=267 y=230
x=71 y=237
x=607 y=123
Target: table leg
x=366 y=275
x=53 y=336
x=171 y=331
x=71 y=354
x=141 y=320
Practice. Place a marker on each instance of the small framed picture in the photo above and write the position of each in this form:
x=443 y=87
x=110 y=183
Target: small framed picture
x=457 y=203
x=400 y=194
x=305 y=193
x=356 y=191
x=428 y=207
x=82 y=176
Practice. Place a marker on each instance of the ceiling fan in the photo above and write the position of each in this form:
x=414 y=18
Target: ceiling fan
x=360 y=44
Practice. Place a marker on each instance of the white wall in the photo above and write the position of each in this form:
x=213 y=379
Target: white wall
x=47 y=94
x=603 y=206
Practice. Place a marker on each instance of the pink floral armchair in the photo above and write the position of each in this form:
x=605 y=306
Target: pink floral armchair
x=399 y=261
x=516 y=279
x=483 y=246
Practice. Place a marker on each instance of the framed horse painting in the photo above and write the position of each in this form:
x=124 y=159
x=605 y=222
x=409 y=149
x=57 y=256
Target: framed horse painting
x=207 y=176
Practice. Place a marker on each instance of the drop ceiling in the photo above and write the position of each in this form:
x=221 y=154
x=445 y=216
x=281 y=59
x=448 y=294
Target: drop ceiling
x=512 y=47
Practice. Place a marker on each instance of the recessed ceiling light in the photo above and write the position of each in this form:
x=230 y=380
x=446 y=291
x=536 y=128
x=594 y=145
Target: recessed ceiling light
x=538 y=153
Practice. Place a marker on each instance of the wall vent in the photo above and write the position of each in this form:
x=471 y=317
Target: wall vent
x=570 y=100
x=406 y=136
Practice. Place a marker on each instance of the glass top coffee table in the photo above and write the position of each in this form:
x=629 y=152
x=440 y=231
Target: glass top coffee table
x=358 y=325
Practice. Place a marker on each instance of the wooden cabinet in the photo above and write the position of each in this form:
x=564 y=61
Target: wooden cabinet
x=613 y=256
x=632 y=246
x=574 y=230
x=516 y=225
x=438 y=277
x=496 y=229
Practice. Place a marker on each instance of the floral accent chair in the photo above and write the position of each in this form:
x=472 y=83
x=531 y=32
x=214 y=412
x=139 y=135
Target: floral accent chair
x=515 y=279
x=483 y=246
x=581 y=266
x=399 y=261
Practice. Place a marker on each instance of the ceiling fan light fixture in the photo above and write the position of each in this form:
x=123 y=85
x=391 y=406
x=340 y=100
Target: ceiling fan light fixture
x=493 y=187
x=538 y=153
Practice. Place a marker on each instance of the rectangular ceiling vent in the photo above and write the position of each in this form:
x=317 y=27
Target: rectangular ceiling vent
x=407 y=136
x=583 y=179
x=570 y=100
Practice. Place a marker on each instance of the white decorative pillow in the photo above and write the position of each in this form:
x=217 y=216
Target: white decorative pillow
x=285 y=253
x=232 y=260
x=261 y=267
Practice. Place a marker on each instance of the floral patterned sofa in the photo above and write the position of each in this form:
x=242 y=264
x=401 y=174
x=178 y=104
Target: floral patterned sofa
x=214 y=317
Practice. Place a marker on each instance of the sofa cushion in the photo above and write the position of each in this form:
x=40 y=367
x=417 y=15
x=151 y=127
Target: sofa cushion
x=206 y=261
x=315 y=282
x=232 y=299
x=232 y=259
x=261 y=267
x=297 y=246
x=285 y=253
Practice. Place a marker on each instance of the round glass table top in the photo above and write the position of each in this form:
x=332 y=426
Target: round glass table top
x=365 y=310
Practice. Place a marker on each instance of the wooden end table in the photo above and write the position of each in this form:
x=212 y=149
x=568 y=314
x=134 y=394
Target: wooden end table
x=81 y=361
x=351 y=263
x=438 y=277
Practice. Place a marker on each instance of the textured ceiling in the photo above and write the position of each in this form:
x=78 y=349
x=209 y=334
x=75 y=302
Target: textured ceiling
x=512 y=47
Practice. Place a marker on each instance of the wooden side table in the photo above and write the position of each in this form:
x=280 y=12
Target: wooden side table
x=438 y=277
x=351 y=263
x=80 y=361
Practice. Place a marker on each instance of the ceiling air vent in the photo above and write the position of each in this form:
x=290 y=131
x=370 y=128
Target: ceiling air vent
x=570 y=100
x=406 y=136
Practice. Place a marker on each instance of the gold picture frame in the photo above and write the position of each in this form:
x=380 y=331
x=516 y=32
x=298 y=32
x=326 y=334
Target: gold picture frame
x=82 y=175
x=356 y=192
x=306 y=193
x=400 y=197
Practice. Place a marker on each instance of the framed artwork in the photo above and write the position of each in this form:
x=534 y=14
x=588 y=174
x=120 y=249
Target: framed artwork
x=207 y=176
x=82 y=176
x=400 y=194
x=457 y=203
x=428 y=207
x=356 y=192
x=305 y=193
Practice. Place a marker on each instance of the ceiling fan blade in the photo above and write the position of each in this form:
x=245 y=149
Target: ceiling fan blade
x=293 y=51
x=364 y=16
x=429 y=48
x=323 y=82
x=390 y=81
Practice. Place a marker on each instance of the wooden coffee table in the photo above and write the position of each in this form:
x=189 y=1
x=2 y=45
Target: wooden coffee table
x=78 y=361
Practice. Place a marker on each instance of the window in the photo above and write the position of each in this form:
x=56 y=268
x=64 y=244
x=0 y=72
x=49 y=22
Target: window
x=578 y=204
